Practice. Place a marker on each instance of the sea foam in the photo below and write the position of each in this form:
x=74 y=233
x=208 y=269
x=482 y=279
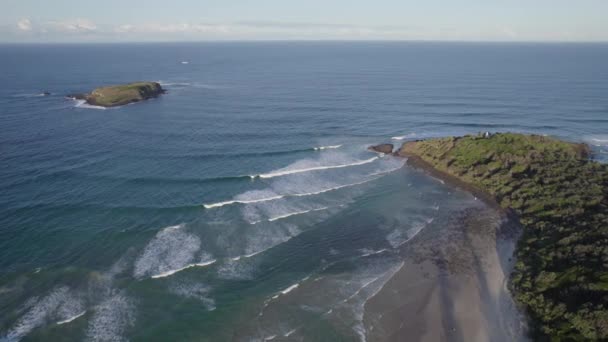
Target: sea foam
x=60 y=304
x=84 y=104
x=196 y=291
x=277 y=196
x=330 y=147
x=289 y=171
x=171 y=272
x=72 y=318
x=403 y=137
x=170 y=251
x=111 y=318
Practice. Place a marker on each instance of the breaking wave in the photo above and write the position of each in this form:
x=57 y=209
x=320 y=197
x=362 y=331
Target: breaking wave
x=70 y=319
x=301 y=212
x=60 y=305
x=221 y=204
x=284 y=172
x=403 y=137
x=397 y=237
x=276 y=196
x=171 y=272
x=295 y=213
x=84 y=104
x=330 y=147
x=172 y=250
x=597 y=140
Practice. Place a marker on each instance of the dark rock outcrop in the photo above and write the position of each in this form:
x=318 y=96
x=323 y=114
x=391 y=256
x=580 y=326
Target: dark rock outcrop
x=382 y=148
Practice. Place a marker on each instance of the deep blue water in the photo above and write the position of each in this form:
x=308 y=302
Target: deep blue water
x=88 y=197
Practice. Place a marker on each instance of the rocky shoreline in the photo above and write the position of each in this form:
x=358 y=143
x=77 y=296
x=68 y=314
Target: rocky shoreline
x=559 y=195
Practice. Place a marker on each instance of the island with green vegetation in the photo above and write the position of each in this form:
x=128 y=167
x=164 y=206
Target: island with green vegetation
x=561 y=199
x=119 y=95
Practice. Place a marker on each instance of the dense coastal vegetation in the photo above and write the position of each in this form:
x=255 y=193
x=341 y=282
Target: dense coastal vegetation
x=120 y=95
x=560 y=196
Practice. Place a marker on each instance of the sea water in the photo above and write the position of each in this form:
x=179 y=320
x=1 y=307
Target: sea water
x=244 y=204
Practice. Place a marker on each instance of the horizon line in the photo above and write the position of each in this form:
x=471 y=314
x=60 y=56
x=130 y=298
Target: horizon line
x=307 y=41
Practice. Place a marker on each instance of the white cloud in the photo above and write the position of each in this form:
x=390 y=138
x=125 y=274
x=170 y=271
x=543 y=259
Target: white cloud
x=73 y=25
x=262 y=30
x=509 y=32
x=24 y=24
x=82 y=29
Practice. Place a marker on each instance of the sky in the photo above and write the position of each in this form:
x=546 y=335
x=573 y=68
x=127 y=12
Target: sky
x=212 y=20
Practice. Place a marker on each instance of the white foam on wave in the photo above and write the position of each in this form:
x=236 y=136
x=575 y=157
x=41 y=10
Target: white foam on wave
x=296 y=187
x=284 y=292
x=179 y=84
x=111 y=318
x=329 y=147
x=403 y=137
x=84 y=104
x=171 y=272
x=296 y=213
x=70 y=319
x=283 y=216
x=263 y=240
x=289 y=171
x=277 y=196
x=243 y=201
x=369 y=252
x=338 y=187
x=60 y=304
x=358 y=288
x=30 y=95
x=598 y=141
x=247 y=256
x=291 y=288
x=397 y=237
x=170 y=251
x=235 y=270
x=196 y=291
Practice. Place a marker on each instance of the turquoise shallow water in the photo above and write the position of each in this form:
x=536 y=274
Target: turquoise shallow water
x=243 y=204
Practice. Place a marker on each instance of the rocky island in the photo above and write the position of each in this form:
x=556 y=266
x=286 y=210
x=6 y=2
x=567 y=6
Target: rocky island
x=560 y=197
x=119 y=95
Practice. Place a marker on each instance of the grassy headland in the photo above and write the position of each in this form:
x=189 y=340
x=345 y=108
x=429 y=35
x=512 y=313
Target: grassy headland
x=119 y=95
x=561 y=198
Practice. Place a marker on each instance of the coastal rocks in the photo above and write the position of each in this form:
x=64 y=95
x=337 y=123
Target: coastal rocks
x=120 y=95
x=382 y=148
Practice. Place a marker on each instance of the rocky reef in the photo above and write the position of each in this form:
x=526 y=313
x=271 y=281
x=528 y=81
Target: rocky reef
x=561 y=199
x=120 y=95
x=382 y=148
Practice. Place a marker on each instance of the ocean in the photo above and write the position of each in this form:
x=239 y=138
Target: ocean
x=243 y=204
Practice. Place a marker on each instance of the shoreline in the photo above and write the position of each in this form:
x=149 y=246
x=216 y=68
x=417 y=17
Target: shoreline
x=453 y=284
x=558 y=194
x=418 y=163
x=427 y=300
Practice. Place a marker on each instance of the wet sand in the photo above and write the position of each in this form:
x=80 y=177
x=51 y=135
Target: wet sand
x=453 y=284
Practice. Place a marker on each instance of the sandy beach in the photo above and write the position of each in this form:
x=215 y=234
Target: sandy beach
x=453 y=284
